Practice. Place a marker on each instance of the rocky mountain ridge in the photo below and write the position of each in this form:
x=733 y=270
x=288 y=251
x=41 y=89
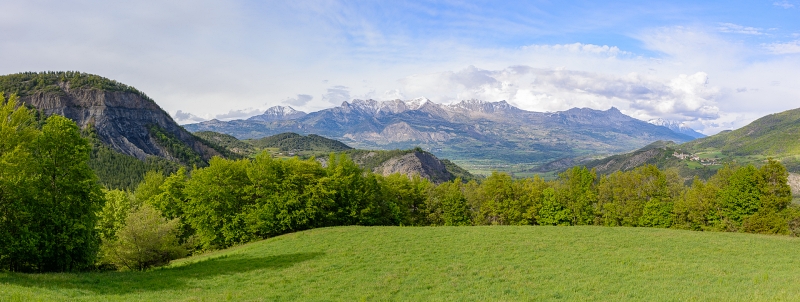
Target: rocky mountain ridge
x=676 y=126
x=468 y=131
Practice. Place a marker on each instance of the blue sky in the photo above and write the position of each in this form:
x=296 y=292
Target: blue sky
x=714 y=64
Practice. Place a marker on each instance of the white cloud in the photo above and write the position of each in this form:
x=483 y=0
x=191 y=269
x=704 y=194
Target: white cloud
x=739 y=29
x=784 y=48
x=785 y=4
x=685 y=97
x=336 y=95
x=579 y=48
x=300 y=100
x=215 y=57
x=186 y=117
x=239 y=114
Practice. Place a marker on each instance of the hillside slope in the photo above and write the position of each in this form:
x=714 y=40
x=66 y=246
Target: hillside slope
x=290 y=141
x=515 y=263
x=124 y=118
x=774 y=136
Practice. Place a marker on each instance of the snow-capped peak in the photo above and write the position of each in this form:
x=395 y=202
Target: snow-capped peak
x=280 y=110
x=676 y=126
x=417 y=103
x=481 y=106
x=278 y=113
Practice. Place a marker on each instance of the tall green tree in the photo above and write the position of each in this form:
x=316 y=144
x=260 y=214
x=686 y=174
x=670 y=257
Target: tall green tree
x=552 y=211
x=575 y=189
x=501 y=201
x=447 y=204
x=739 y=198
x=18 y=202
x=70 y=197
x=217 y=197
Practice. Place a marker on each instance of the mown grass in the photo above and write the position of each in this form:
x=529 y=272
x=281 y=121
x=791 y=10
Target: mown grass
x=455 y=264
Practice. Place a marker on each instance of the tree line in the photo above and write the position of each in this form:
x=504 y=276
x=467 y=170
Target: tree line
x=55 y=217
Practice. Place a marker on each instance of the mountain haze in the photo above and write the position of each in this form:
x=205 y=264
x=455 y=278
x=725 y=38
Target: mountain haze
x=493 y=135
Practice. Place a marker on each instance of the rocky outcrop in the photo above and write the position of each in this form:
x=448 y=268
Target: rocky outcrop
x=794 y=183
x=120 y=118
x=416 y=163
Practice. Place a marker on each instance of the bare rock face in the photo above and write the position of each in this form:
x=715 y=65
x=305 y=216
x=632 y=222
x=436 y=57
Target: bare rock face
x=416 y=163
x=121 y=119
x=794 y=183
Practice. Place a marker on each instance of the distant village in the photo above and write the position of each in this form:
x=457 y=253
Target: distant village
x=693 y=157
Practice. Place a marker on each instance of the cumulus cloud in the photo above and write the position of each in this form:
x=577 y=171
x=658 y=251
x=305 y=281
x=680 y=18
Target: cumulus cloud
x=739 y=29
x=784 y=48
x=300 y=100
x=182 y=117
x=186 y=117
x=685 y=97
x=239 y=114
x=336 y=95
x=785 y=4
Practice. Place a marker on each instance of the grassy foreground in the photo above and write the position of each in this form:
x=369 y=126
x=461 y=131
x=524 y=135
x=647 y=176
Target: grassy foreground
x=455 y=263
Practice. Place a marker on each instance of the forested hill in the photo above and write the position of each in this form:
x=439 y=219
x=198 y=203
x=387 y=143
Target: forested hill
x=292 y=141
x=408 y=162
x=130 y=133
x=774 y=136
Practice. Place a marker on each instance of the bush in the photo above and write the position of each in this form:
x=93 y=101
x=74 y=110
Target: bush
x=146 y=240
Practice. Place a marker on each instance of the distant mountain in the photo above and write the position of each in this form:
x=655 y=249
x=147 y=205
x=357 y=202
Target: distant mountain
x=278 y=113
x=482 y=136
x=676 y=126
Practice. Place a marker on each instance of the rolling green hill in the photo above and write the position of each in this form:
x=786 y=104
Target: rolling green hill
x=228 y=142
x=454 y=264
x=775 y=135
x=290 y=141
x=291 y=144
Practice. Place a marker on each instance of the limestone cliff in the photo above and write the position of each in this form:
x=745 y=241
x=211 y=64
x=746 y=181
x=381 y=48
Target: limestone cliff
x=419 y=163
x=120 y=117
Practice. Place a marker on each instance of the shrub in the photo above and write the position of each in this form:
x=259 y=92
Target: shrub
x=146 y=240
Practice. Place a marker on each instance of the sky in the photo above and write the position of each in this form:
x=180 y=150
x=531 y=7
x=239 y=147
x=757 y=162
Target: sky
x=715 y=65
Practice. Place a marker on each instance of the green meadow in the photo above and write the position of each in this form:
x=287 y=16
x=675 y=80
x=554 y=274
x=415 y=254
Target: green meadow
x=489 y=263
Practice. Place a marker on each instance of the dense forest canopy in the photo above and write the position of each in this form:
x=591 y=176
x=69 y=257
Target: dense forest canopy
x=27 y=83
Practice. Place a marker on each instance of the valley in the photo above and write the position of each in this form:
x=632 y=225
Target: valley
x=478 y=135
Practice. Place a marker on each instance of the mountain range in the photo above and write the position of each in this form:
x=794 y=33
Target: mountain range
x=130 y=134
x=479 y=135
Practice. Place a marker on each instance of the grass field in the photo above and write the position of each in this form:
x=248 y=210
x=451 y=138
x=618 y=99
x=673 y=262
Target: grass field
x=455 y=264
